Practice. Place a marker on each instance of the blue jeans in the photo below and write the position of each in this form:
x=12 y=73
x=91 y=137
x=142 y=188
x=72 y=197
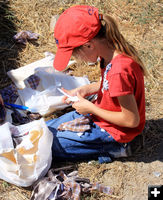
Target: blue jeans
x=92 y=144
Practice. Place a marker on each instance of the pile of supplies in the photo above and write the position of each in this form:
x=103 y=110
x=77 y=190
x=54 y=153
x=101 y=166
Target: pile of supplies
x=25 y=142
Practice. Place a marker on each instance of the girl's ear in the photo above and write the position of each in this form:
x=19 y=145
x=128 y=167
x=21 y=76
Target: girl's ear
x=89 y=45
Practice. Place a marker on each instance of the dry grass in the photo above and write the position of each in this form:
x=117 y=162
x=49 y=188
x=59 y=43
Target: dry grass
x=141 y=23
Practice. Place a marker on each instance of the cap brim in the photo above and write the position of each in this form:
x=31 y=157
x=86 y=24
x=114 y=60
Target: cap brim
x=62 y=58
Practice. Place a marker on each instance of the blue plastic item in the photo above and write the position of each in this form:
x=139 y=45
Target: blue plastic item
x=20 y=107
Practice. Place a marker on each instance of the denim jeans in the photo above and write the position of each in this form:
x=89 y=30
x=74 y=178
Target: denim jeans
x=95 y=143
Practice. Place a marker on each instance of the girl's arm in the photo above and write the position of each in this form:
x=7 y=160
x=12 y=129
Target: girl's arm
x=90 y=89
x=84 y=90
x=127 y=117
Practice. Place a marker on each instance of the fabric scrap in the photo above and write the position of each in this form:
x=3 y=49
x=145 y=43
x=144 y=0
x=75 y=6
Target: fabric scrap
x=32 y=81
x=24 y=36
x=80 y=124
x=9 y=94
x=33 y=116
x=18 y=118
x=61 y=187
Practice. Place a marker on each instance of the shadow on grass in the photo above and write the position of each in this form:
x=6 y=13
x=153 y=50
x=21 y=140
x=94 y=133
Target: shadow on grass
x=148 y=146
x=8 y=49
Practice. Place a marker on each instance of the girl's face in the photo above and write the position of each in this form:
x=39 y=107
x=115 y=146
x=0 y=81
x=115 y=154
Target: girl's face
x=86 y=52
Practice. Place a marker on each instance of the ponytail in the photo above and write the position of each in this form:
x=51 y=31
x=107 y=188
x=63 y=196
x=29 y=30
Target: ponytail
x=115 y=38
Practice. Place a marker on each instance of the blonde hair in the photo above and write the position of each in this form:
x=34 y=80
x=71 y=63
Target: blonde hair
x=115 y=38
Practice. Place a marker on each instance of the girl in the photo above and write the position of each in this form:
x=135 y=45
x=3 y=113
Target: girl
x=105 y=127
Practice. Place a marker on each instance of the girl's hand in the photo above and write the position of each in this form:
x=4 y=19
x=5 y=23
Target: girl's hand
x=73 y=93
x=1 y=100
x=84 y=91
x=83 y=106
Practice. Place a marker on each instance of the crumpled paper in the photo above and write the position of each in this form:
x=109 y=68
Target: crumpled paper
x=24 y=36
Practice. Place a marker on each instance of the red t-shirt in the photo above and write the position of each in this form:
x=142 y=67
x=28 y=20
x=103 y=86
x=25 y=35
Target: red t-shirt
x=121 y=77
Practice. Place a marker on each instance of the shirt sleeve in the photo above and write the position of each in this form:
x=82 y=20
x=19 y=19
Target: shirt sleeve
x=121 y=84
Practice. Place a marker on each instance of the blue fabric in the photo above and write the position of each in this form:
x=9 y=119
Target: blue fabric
x=92 y=144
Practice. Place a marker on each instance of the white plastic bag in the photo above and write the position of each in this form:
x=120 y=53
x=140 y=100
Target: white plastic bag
x=25 y=152
x=45 y=99
x=19 y=75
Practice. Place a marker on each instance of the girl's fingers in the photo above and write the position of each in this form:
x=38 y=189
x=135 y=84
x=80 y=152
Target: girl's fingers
x=66 y=91
x=79 y=96
x=64 y=99
x=72 y=92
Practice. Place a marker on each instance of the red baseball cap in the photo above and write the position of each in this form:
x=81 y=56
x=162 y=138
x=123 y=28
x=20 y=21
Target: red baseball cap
x=76 y=26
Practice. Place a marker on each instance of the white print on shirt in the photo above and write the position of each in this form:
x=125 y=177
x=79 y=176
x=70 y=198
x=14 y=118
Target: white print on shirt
x=105 y=85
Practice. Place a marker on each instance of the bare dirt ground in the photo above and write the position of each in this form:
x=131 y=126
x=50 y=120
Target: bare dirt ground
x=141 y=23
